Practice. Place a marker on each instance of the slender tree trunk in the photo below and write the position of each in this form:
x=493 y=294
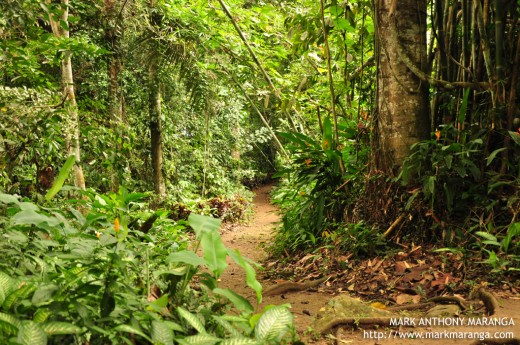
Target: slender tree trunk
x=113 y=31
x=402 y=116
x=71 y=107
x=156 y=130
x=115 y=112
x=331 y=87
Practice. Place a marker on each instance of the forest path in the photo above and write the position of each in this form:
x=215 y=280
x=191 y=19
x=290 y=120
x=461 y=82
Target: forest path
x=251 y=239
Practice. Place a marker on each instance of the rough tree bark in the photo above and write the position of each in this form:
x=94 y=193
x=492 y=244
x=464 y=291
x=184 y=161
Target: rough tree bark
x=402 y=115
x=59 y=29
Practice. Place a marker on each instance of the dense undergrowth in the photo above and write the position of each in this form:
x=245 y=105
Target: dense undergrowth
x=448 y=193
x=89 y=270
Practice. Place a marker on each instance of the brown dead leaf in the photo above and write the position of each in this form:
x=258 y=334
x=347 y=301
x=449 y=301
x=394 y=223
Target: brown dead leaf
x=415 y=274
x=401 y=267
x=407 y=299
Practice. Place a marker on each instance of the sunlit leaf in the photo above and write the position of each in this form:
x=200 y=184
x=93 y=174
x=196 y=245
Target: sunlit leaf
x=62 y=176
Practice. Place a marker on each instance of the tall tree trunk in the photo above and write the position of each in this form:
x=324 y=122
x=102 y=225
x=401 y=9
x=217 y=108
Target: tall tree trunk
x=402 y=116
x=59 y=26
x=156 y=130
x=113 y=23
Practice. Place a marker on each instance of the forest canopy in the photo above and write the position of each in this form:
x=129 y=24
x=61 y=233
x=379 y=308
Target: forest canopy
x=383 y=121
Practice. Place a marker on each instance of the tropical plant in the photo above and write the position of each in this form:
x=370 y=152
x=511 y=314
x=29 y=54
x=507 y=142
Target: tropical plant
x=87 y=274
x=447 y=168
x=313 y=197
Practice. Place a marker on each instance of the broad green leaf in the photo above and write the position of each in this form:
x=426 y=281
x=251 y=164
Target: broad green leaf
x=274 y=324
x=161 y=333
x=493 y=155
x=215 y=252
x=9 y=324
x=19 y=294
x=199 y=339
x=233 y=318
x=448 y=159
x=464 y=106
x=342 y=24
x=174 y=326
x=162 y=301
x=192 y=319
x=54 y=327
x=336 y=10
x=28 y=206
x=132 y=330
x=128 y=198
x=7 y=284
x=28 y=217
x=514 y=229
x=177 y=271
x=185 y=256
x=301 y=140
x=515 y=136
x=201 y=224
x=431 y=184
x=251 y=280
x=9 y=199
x=62 y=176
x=238 y=301
x=227 y=326
x=486 y=235
x=44 y=294
x=31 y=334
x=239 y=341
x=41 y=315
x=328 y=134
x=492 y=243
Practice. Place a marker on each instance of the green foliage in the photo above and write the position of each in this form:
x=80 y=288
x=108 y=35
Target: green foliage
x=504 y=254
x=358 y=239
x=447 y=168
x=68 y=275
x=313 y=198
x=231 y=209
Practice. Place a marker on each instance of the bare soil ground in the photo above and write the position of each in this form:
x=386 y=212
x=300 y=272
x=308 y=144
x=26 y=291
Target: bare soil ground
x=251 y=240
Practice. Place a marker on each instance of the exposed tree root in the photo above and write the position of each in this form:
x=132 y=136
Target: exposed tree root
x=292 y=286
x=353 y=321
x=411 y=306
x=450 y=300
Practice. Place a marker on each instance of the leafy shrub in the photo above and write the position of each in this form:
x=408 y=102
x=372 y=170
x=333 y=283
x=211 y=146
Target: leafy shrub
x=229 y=209
x=312 y=196
x=72 y=275
x=447 y=169
x=358 y=239
x=503 y=249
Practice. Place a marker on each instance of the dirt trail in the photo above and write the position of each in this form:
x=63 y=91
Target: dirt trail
x=251 y=239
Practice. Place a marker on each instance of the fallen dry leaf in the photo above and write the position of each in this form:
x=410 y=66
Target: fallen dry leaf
x=406 y=299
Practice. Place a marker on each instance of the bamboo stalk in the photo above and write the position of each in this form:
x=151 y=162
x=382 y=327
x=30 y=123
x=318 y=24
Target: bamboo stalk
x=484 y=41
x=331 y=85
